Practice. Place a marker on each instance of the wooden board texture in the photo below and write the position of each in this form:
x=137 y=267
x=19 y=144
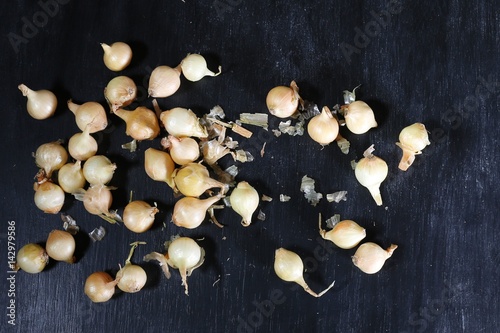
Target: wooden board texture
x=434 y=62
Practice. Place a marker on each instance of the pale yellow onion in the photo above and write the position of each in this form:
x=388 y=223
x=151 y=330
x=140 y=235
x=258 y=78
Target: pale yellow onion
x=89 y=115
x=49 y=197
x=70 y=177
x=98 y=169
x=51 y=156
x=244 y=200
x=117 y=56
x=139 y=216
x=370 y=257
x=182 y=150
x=289 y=267
x=82 y=146
x=61 y=246
x=370 y=172
x=132 y=278
x=97 y=200
x=100 y=287
x=190 y=212
x=324 y=127
x=194 y=67
x=186 y=255
x=41 y=104
x=282 y=101
x=119 y=92
x=159 y=166
x=181 y=122
x=32 y=258
x=164 y=81
x=345 y=234
x=412 y=140
x=193 y=180
x=142 y=123
x=359 y=117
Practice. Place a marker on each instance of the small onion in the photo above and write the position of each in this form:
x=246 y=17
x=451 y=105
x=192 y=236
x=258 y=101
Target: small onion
x=412 y=140
x=97 y=200
x=359 y=117
x=190 y=212
x=117 y=56
x=98 y=170
x=345 y=234
x=61 y=246
x=159 y=166
x=32 y=258
x=370 y=257
x=132 y=278
x=193 y=180
x=282 y=101
x=82 y=146
x=182 y=150
x=49 y=197
x=41 y=104
x=164 y=81
x=181 y=122
x=142 y=123
x=370 y=172
x=139 y=216
x=100 y=287
x=186 y=255
x=70 y=177
x=89 y=115
x=51 y=156
x=244 y=201
x=119 y=92
x=194 y=67
x=324 y=127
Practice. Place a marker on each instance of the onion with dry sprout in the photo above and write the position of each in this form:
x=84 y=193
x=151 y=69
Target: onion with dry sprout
x=282 y=101
x=370 y=172
x=139 y=216
x=164 y=81
x=324 y=127
x=100 y=287
x=82 y=146
x=51 y=157
x=120 y=92
x=61 y=246
x=117 y=56
x=132 y=278
x=49 y=197
x=412 y=140
x=182 y=150
x=289 y=267
x=70 y=177
x=31 y=258
x=190 y=212
x=41 y=104
x=184 y=254
x=182 y=122
x=359 y=117
x=244 y=200
x=98 y=169
x=159 y=166
x=370 y=257
x=194 y=67
x=142 y=123
x=193 y=180
x=97 y=200
x=89 y=115
x=345 y=234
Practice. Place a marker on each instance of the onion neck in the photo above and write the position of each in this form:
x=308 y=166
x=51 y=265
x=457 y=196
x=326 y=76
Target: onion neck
x=375 y=192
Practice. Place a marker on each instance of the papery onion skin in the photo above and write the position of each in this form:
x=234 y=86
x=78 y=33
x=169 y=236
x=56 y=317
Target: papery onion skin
x=32 y=258
x=42 y=104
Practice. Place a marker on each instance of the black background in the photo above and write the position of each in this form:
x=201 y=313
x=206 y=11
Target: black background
x=434 y=62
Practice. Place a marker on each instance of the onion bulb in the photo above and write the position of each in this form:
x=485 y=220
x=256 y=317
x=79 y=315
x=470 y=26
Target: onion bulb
x=370 y=257
x=100 y=287
x=82 y=146
x=32 y=258
x=289 y=267
x=181 y=122
x=370 y=172
x=97 y=200
x=185 y=255
x=98 y=170
x=49 y=197
x=359 y=117
x=193 y=180
x=89 y=115
x=117 y=56
x=50 y=157
x=159 y=166
x=164 y=81
x=282 y=101
x=194 y=67
x=119 y=92
x=60 y=246
x=70 y=177
x=139 y=216
x=412 y=140
x=132 y=278
x=244 y=200
x=324 y=127
x=190 y=212
x=345 y=234
x=182 y=150
x=142 y=123
x=41 y=104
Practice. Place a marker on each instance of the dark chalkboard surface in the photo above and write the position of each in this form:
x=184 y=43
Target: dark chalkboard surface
x=430 y=62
